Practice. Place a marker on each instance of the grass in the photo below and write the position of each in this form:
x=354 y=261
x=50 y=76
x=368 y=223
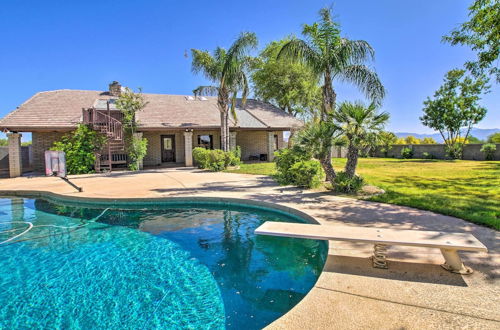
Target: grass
x=469 y=190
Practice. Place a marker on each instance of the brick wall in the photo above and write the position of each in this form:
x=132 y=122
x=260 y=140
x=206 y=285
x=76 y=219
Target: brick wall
x=251 y=143
x=42 y=141
x=153 y=155
x=254 y=143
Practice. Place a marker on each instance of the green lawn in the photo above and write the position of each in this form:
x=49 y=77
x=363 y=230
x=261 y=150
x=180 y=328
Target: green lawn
x=465 y=189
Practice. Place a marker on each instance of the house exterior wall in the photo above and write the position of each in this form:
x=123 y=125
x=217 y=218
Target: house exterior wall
x=254 y=143
x=250 y=142
x=153 y=154
x=42 y=141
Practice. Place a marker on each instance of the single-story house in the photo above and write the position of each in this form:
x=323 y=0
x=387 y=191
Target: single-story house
x=172 y=124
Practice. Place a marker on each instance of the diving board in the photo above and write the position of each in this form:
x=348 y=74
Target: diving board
x=448 y=243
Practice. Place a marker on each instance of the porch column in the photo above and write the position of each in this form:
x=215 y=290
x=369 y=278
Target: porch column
x=270 y=146
x=232 y=140
x=15 y=158
x=138 y=135
x=188 y=148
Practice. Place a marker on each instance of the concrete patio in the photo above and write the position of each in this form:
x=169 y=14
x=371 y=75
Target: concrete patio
x=414 y=293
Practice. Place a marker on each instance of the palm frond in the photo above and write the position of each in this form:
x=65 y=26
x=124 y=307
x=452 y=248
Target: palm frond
x=204 y=62
x=206 y=90
x=300 y=51
x=365 y=79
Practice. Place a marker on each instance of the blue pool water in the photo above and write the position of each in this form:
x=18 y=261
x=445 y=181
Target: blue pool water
x=147 y=266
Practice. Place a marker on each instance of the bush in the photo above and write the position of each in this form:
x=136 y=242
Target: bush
x=454 y=151
x=80 y=147
x=233 y=157
x=216 y=160
x=285 y=158
x=489 y=151
x=200 y=156
x=306 y=173
x=136 y=150
x=427 y=155
x=407 y=153
x=344 y=184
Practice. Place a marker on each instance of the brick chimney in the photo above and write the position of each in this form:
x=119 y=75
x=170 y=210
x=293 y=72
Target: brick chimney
x=115 y=89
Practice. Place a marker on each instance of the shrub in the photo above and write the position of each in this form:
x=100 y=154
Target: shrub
x=489 y=151
x=285 y=158
x=216 y=160
x=233 y=157
x=136 y=150
x=200 y=156
x=80 y=147
x=426 y=155
x=407 y=153
x=454 y=151
x=306 y=173
x=345 y=184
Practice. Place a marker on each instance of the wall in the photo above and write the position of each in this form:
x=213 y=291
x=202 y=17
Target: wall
x=153 y=155
x=42 y=141
x=471 y=151
x=27 y=159
x=254 y=143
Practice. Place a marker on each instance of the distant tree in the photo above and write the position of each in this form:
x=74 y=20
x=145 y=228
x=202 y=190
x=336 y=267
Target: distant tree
x=473 y=139
x=482 y=34
x=331 y=57
x=4 y=142
x=291 y=86
x=454 y=107
x=428 y=140
x=410 y=139
x=400 y=141
x=494 y=138
x=386 y=140
x=361 y=125
x=228 y=70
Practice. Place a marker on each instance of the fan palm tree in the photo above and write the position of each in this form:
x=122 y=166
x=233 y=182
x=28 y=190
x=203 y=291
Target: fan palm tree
x=361 y=125
x=318 y=138
x=227 y=69
x=332 y=57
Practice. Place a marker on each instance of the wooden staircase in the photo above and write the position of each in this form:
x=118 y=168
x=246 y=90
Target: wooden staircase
x=109 y=124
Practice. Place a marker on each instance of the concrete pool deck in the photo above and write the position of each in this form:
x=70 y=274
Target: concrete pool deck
x=414 y=293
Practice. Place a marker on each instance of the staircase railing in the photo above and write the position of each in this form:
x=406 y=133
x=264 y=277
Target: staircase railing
x=104 y=123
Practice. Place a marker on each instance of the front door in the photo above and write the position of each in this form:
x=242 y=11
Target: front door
x=168 y=148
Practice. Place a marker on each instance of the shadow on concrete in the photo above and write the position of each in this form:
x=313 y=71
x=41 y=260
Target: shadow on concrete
x=401 y=271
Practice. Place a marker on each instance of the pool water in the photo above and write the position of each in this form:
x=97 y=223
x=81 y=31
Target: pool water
x=147 y=266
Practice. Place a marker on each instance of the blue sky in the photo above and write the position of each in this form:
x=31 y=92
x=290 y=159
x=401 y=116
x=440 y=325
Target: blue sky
x=47 y=45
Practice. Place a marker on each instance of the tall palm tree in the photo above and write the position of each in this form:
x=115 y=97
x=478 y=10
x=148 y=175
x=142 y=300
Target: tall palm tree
x=227 y=69
x=332 y=57
x=361 y=125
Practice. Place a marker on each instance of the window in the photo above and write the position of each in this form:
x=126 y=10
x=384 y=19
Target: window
x=206 y=141
x=276 y=144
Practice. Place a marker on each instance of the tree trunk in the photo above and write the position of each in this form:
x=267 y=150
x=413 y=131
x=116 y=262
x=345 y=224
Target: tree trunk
x=222 y=103
x=352 y=160
x=222 y=130
x=326 y=163
x=329 y=97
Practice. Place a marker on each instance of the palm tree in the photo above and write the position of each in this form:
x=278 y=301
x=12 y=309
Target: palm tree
x=361 y=125
x=226 y=69
x=318 y=138
x=332 y=57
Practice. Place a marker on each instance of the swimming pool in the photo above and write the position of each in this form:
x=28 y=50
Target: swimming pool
x=156 y=265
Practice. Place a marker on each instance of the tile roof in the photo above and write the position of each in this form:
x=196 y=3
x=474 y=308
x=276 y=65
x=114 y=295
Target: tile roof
x=62 y=109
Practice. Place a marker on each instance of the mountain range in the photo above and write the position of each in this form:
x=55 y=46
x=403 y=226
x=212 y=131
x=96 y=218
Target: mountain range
x=480 y=133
